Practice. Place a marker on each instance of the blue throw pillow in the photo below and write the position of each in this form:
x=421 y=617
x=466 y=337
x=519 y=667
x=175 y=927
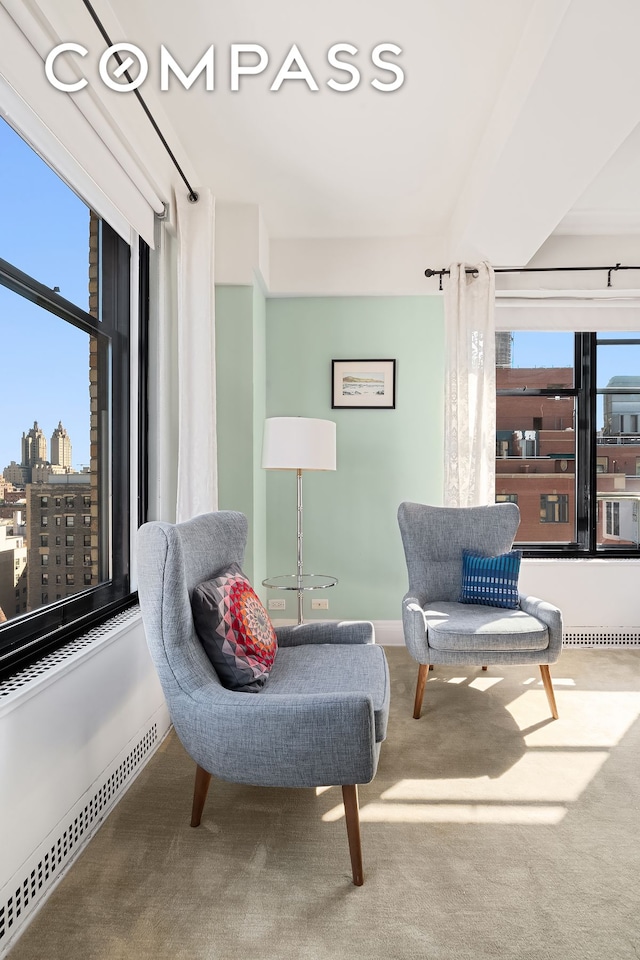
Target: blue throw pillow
x=492 y=581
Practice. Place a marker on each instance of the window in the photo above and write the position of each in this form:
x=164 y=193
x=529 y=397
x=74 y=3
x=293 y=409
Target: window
x=612 y=518
x=87 y=578
x=567 y=437
x=81 y=335
x=69 y=540
x=554 y=508
x=87 y=539
x=69 y=560
x=45 y=578
x=506 y=497
x=44 y=540
x=87 y=560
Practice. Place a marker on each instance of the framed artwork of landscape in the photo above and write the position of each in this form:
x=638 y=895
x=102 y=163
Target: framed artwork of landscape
x=363 y=384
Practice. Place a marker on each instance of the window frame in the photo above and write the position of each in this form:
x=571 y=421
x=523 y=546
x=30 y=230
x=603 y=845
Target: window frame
x=585 y=391
x=34 y=634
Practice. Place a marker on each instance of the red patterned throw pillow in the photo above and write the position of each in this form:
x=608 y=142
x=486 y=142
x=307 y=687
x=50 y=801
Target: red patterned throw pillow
x=235 y=630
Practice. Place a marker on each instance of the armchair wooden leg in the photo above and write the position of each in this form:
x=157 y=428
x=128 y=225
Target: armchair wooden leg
x=548 y=686
x=200 y=790
x=352 y=815
x=423 y=670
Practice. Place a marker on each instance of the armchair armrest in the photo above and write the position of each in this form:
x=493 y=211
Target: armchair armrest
x=281 y=740
x=551 y=616
x=334 y=631
x=415 y=627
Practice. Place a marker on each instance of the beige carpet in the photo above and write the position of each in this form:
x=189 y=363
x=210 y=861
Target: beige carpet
x=489 y=831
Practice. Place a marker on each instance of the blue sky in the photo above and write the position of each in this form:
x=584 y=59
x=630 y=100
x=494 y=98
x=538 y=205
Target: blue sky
x=44 y=230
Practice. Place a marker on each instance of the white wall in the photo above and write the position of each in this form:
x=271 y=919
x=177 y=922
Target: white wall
x=590 y=593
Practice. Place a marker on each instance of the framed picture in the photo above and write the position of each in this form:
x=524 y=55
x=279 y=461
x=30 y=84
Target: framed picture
x=365 y=384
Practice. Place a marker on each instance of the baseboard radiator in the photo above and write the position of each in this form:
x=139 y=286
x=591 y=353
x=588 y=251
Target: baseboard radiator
x=111 y=667
x=601 y=637
x=48 y=865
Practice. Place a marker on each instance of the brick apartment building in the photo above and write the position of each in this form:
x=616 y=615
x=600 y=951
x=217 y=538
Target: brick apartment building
x=536 y=456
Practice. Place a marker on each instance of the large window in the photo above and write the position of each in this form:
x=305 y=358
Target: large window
x=64 y=434
x=568 y=439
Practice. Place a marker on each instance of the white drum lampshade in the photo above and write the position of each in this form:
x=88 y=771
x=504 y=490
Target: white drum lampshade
x=299 y=443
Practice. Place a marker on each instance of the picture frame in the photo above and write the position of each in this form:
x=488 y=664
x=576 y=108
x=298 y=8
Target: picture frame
x=363 y=384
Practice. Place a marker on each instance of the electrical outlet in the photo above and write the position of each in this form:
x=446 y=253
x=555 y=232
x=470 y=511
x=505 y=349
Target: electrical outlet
x=277 y=604
x=319 y=604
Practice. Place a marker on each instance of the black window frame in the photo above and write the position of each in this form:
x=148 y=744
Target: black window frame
x=26 y=639
x=585 y=391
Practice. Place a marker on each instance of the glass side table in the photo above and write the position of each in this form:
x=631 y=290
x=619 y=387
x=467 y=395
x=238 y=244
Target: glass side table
x=300 y=582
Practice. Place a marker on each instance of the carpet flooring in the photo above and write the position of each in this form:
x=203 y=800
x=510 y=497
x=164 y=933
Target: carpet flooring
x=489 y=831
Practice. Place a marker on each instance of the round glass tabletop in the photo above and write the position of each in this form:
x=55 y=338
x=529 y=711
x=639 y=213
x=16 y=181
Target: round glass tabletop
x=295 y=581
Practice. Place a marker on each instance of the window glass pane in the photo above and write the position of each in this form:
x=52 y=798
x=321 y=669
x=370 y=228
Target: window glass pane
x=534 y=359
x=36 y=203
x=617 y=362
x=45 y=452
x=535 y=435
x=618 y=446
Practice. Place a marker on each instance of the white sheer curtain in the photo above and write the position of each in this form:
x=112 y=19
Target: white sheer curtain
x=470 y=386
x=197 y=489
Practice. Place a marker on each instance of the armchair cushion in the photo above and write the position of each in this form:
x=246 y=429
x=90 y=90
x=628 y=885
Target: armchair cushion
x=325 y=669
x=474 y=628
x=235 y=630
x=492 y=581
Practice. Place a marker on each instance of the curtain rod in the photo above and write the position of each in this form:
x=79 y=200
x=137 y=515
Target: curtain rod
x=193 y=196
x=473 y=271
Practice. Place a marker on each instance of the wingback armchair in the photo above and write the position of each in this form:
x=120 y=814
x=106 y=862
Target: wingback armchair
x=322 y=715
x=438 y=628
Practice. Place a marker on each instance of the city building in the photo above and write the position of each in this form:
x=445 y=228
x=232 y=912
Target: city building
x=536 y=451
x=34 y=446
x=62 y=539
x=60 y=448
x=13 y=566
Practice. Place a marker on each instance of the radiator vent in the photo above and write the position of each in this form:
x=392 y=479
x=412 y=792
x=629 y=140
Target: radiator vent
x=41 y=667
x=592 y=637
x=50 y=862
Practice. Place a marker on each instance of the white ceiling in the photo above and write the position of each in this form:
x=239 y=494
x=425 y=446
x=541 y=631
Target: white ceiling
x=517 y=118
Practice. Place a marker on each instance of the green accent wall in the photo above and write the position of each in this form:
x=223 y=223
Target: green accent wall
x=384 y=456
x=240 y=392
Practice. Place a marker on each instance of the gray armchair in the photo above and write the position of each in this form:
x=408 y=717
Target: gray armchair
x=439 y=629
x=322 y=715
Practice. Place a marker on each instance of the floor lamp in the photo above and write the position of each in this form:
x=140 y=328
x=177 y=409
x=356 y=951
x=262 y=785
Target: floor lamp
x=299 y=443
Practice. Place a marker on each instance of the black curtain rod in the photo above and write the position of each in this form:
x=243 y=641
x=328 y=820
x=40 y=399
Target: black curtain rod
x=193 y=196
x=472 y=270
